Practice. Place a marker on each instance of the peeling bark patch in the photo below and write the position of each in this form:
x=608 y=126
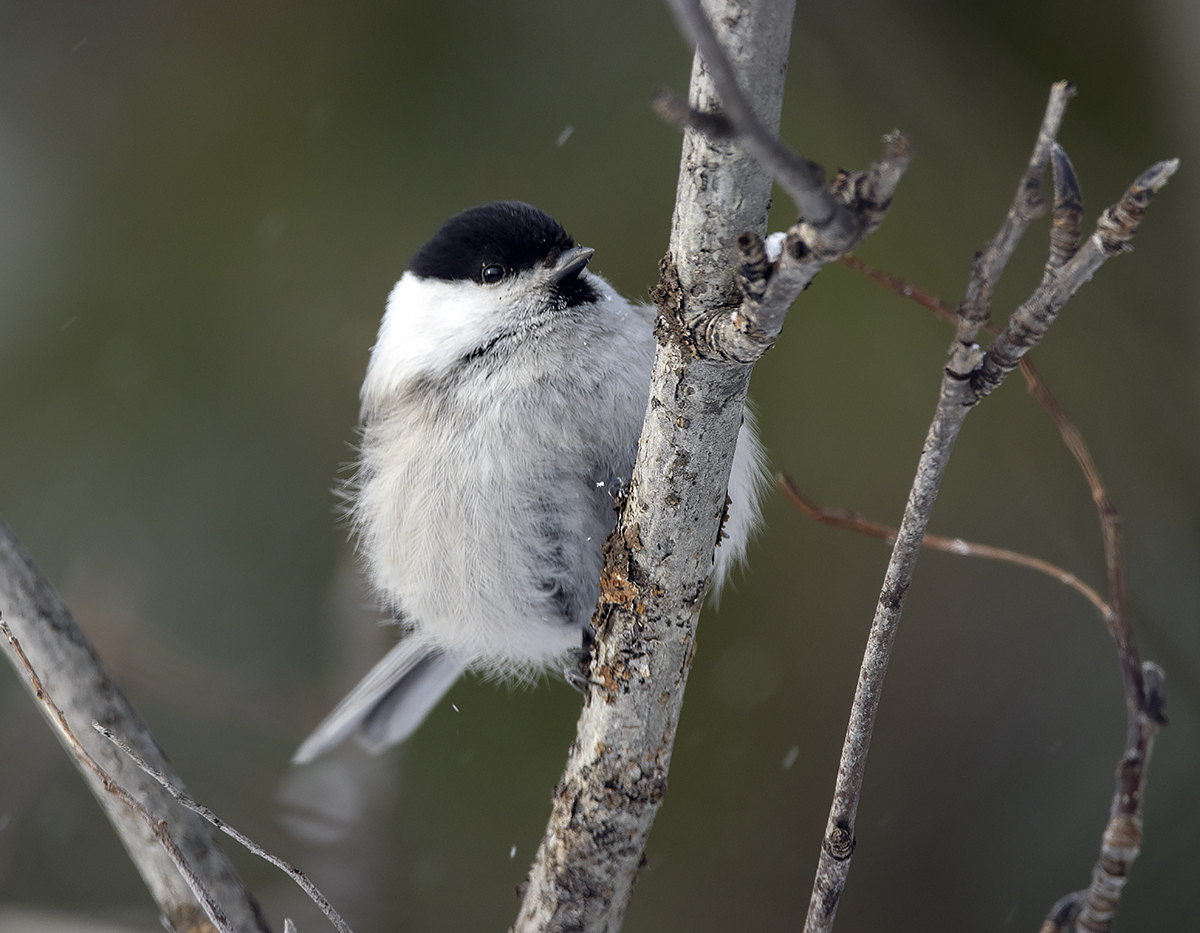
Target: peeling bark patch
x=618 y=583
x=667 y=296
x=611 y=680
x=616 y=588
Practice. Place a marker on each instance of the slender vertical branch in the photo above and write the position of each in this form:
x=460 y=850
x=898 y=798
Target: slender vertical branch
x=1122 y=839
x=970 y=376
x=838 y=846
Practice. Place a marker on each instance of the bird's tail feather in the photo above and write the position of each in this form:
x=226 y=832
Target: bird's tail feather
x=390 y=702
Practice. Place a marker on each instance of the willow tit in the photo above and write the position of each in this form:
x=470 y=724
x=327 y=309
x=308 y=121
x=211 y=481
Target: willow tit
x=500 y=416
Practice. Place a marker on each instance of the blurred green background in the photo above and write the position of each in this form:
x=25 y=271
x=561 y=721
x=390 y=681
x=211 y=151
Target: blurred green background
x=202 y=209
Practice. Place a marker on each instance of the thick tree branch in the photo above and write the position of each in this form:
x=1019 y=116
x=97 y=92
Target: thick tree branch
x=661 y=553
x=69 y=671
x=804 y=181
x=717 y=316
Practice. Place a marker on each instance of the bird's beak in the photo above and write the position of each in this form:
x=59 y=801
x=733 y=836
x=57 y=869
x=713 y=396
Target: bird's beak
x=570 y=262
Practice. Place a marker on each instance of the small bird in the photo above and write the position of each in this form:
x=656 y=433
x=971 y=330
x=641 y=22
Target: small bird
x=500 y=419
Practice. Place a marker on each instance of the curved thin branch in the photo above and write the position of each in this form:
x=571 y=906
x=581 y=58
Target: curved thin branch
x=853 y=521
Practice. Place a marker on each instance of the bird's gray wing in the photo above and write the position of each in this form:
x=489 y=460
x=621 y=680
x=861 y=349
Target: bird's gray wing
x=390 y=702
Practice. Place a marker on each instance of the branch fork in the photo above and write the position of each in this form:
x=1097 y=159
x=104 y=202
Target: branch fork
x=969 y=376
x=770 y=287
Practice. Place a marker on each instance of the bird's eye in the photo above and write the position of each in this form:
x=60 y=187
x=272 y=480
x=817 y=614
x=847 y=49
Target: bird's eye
x=492 y=273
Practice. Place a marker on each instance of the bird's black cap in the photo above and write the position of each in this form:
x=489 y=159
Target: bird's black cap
x=510 y=234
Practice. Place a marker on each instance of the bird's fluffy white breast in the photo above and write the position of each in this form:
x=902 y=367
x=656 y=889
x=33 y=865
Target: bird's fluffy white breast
x=459 y=478
x=479 y=483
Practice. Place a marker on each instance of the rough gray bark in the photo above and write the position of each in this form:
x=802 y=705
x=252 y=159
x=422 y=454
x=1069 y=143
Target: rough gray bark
x=658 y=560
x=72 y=675
x=722 y=301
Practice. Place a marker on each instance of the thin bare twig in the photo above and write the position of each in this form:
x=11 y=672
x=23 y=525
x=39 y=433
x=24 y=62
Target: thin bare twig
x=156 y=826
x=853 y=521
x=1029 y=322
x=899 y=286
x=1144 y=685
x=770 y=288
x=294 y=873
x=1027 y=205
x=1122 y=838
x=967 y=379
x=804 y=181
x=1037 y=387
x=833 y=219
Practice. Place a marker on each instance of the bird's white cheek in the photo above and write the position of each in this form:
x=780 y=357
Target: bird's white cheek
x=428 y=325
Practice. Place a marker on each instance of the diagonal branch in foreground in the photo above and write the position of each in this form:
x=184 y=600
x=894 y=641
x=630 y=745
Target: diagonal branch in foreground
x=970 y=375
x=69 y=670
x=249 y=844
x=158 y=828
